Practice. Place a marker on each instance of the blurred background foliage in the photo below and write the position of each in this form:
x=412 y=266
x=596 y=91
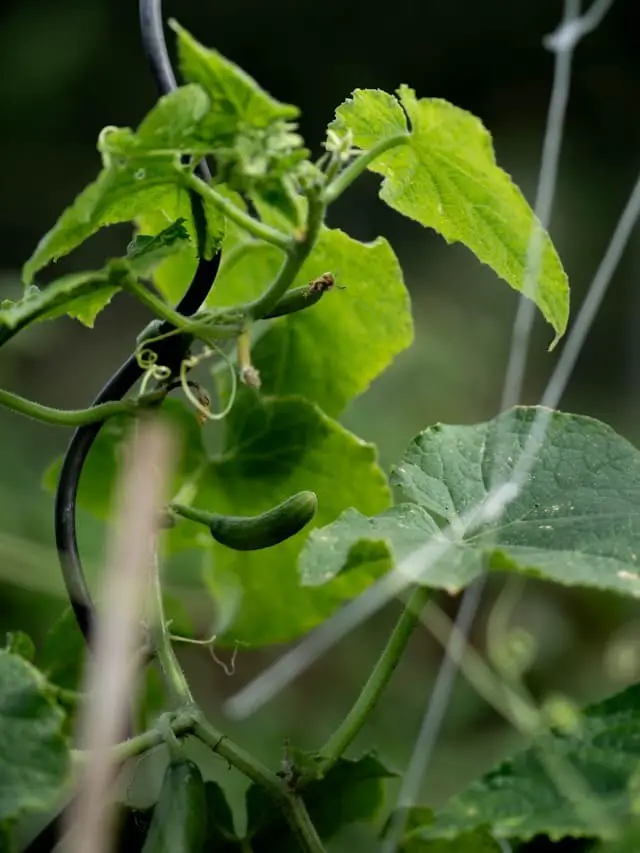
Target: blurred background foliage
x=69 y=68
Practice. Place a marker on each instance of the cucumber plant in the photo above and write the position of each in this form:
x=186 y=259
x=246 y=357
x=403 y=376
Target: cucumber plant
x=294 y=319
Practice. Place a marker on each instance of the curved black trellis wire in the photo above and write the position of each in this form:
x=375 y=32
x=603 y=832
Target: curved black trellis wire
x=170 y=353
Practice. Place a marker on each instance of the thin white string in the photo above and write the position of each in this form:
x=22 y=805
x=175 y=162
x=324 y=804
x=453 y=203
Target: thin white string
x=433 y=718
x=545 y=194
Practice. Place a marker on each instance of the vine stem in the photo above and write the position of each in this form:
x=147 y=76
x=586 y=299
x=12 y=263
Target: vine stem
x=291 y=805
x=75 y=417
x=174 y=677
x=357 y=166
x=377 y=681
x=252 y=226
x=186 y=325
x=265 y=303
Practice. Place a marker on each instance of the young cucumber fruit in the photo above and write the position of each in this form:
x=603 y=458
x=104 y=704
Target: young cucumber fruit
x=179 y=823
x=250 y=533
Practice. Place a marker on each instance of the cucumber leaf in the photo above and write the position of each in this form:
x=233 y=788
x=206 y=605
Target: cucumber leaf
x=34 y=754
x=575 y=520
x=445 y=176
x=525 y=795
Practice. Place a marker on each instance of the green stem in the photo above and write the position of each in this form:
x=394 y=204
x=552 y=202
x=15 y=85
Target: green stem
x=292 y=807
x=157 y=306
x=206 y=330
x=193 y=514
x=243 y=761
x=265 y=303
x=377 y=681
x=181 y=725
x=174 y=677
x=257 y=229
x=357 y=166
x=302 y=826
x=75 y=417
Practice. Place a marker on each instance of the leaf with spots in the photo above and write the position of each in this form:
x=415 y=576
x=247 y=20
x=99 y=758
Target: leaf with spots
x=34 y=754
x=529 y=794
x=575 y=521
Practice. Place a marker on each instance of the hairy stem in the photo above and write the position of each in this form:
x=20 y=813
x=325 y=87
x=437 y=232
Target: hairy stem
x=377 y=681
x=252 y=226
x=76 y=417
x=357 y=166
x=265 y=303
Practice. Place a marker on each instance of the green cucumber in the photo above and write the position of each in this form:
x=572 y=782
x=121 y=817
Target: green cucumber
x=250 y=533
x=179 y=823
x=296 y=299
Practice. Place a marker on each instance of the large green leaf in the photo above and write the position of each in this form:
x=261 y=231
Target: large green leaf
x=220 y=827
x=120 y=193
x=478 y=841
x=173 y=126
x=79 y=294
x=445 y=176
x=235 y=98
x=257 y=149
x=333 y=350
x=34 y=756
x=63 y=653
x=576 y=520
x=174 y=274
x=84 y=295
x=567 y=783
x=351 y=792
x=139 y=174
x=276 y=447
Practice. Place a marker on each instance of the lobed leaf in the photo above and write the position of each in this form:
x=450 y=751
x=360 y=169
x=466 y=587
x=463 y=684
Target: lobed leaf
x=445 y=176
x=84 y=295
x=576 y=520
x=120 y=193
x=221 y=832
x=172 y=126
x=351 y=792
x=234 y=97
x=140 y=173
x=525 y=796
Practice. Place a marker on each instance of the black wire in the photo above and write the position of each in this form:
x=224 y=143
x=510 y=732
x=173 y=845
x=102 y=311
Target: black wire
x=170 y=353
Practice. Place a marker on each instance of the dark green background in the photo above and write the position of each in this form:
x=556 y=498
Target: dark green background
x=69 y=68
